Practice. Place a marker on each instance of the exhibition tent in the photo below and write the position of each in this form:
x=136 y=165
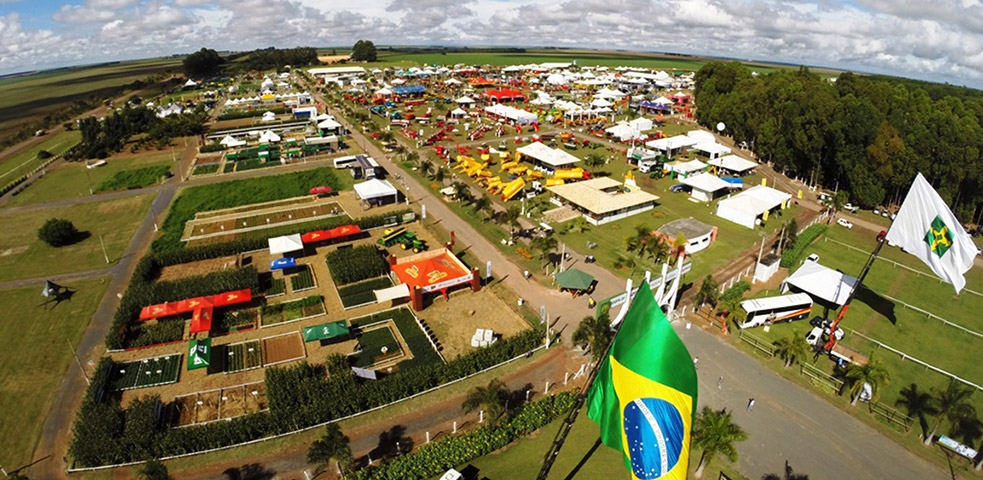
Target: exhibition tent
x=821 y=283
x=574 y=279
x=733 y=163
x=285 y=244
x=375 y=188
x=745 y=207
x=199 y=354
x=326 y=331
x=704 y=186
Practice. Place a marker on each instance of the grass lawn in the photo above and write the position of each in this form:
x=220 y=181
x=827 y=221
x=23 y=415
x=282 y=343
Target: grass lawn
x=372 y=342
x=23 y=162
x=22 y=255
x=526 y=455
x=893 y=324
x=73 y=180
x=134 y=179
x=38 y=346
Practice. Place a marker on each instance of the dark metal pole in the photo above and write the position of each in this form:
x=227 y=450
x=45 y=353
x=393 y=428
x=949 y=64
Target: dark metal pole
x=828 y=347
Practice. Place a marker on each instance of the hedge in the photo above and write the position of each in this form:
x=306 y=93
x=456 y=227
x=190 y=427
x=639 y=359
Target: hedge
x=735 y=291
x=791 y=256
x=212 y=147
x=435 y=458
x=350 y=265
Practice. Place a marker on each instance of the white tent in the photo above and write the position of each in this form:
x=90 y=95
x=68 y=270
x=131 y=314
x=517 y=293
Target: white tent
x=609 y=93
x=623 y=132
x=230 y=141
x=686 y=168
x=328 y=124
x=385 y=92
x=392 y=293
x=375 y=189
x=465 y=100
x=733 y=163
x=268 y=117
x=670 y=145
x=712 y=149
x=641 y=124
x=452 y=81
x=458 y=112
x=287 y=243
x=821 y=282
x=745 y=207
x=269 y=137
x=190 y=83
x=323 y=116
x=704 y=186
x=600 y=103
x=552 y=157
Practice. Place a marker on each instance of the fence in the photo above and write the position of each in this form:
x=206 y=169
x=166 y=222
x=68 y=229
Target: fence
x=894 y=417
x=934 y=316
x=822 y=379
x=761 y=345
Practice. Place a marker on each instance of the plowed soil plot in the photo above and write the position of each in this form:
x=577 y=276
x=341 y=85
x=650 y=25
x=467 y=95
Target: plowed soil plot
x=255 y=397
x=185 y=410
x=233 y=403
x=282 y=348
x=208 y=406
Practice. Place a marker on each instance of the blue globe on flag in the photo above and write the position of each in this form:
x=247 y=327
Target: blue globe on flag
x=655 y=432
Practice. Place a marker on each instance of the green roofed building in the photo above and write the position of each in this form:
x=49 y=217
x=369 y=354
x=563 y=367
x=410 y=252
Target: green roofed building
x=574 y=279
x=326 y=331
x=199 y=354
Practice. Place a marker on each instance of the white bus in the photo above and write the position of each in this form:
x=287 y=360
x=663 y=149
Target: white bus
x=345 y=162
x=784 y=308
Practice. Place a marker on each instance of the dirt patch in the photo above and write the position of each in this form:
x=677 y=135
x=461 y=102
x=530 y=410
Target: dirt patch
x=207 y=404
x=283 y=348
x=204 y=267
x=255 y=395
x=13 y=251
x=333 y=58
x=454 y=321
x=233 y=403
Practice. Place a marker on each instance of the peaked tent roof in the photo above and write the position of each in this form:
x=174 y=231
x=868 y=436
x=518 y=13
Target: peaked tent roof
x=199 y=353
x=286 y=243
x=821 y=282
x=733 y=163
x=326 y=331
x=705 y=182
x=574 y=279
x=374 y=188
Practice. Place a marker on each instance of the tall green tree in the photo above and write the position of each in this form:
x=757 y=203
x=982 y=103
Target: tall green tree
x=333 y=445
x=545 y=246
x=593 y=334
x=481 y=203
x=872 y=372
x=58 y=232
x=154 y=470
x=364 y=51
x=788 y=475
x=707 y=294
x=594 y=160
x=918 y=404
x=715 y=433
x=490 y=399
x=203 y=63
x=792 y=348
x=951 y=403
x=730 y=308
x=510 y=217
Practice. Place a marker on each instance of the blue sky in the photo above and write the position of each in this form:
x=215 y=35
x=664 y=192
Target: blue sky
x=937 y=40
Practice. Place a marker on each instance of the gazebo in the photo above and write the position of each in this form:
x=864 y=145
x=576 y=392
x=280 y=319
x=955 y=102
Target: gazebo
x=575 y=281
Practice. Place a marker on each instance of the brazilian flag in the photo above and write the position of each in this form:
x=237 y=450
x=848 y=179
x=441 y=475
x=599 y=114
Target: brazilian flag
x=644 y=395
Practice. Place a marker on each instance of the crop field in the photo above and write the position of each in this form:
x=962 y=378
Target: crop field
x=363 y=292
x=270 y=217
x=111 y=223
x=283 y=348
x=372 y=342
x=133 y=179
x=292 y=310
x=212 y=405
x=24 y=99
x=243 y=356
x=41 y=335
x=145 y=373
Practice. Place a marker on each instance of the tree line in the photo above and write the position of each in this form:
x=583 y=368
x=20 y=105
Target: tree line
x=102 y=138
x=866 y=135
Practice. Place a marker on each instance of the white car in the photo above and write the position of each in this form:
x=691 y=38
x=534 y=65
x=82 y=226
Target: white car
x=844 y=223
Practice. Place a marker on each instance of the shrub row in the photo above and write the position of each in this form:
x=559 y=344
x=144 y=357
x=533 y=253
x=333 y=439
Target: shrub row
x=735 y=291
x=791 y=255
x=279 y=307
x=350 y=265
x=212 y=147
x=256 y=112
x=437 y=457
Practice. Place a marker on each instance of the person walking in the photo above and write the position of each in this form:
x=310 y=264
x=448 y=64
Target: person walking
x=750 y=404
x=720 y=381
x=696 y=362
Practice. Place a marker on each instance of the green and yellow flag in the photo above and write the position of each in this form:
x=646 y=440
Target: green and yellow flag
x=644 y=395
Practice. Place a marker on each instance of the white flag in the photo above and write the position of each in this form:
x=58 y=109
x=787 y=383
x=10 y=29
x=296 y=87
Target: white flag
x=927 y=229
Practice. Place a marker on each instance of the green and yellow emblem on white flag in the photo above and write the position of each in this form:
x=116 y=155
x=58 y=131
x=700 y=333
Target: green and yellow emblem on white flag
x=927 y=229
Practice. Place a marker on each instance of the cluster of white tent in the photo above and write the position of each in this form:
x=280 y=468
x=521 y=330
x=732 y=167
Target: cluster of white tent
x=633 y=130
x=298 y=97
x=695 y=139
x=511 y=113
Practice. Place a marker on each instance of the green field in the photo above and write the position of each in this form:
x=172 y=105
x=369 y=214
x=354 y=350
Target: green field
x=22 y=255
x=145 y=373
x=891 y=323
x=372 y=342
x=134 y=179
x=23 y=99
x=37 y=344
x=526 y=455
x=11 y=168
x=73 y=180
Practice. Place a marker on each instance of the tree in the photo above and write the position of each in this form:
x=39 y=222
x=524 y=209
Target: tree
x=873 y=373
x=594 y=160
x=510 y=217
x=715 y=433
x=426 y=167
x=440 y=174
x=44 y=155
x=58 y=232
x=545 y=245
x=707 y=292
x=918 y=405
x=154 y=470
x=951 y=403
x=490 y=399
x=791 y=348
x=364 y=51
x=333 y=445
x=731 y=308
x=594 y=334
x=790 y=231
x=203 y=63
x=481 y=203
x=789 y=475
x=462 y=191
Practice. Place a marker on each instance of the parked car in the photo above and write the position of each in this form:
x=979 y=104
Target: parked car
x=813 y=258
x=677 y=188
x=877 y=211
x=844 y=223
x=850 y=208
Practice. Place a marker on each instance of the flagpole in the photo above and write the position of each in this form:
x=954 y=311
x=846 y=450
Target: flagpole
x=567 y=425
x=828 y=347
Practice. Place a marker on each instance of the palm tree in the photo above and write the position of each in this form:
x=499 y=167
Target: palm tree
x=491 y=399
x=707 y=292
x=951 y=403
x=732 y=310
x=426 y=167
x=440 y=174
x=333 y=445
x=594 y=334
x=791 y=348
x=918 y=405
x=510 y=217
x=152 y=470
x=594 y=160
x=481 y=203
x=873 y=373
x=462 y=191
x=716 y=433
x=545 y=245
x=789 y=475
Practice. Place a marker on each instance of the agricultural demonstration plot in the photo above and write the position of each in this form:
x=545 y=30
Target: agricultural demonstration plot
x=219 y=404
x=350 y=265
x=302 y=280
x=144 y=373
x=27 y=391
x=263 y=217
x=292 y=311
x=243 y=356
x=421 y=351
x=376 y=344
x=283 y=348
x=134 y=179
x=111 y=223
x=362 y=293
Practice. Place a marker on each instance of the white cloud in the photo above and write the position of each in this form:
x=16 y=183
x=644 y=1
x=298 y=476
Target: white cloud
x=942 y=40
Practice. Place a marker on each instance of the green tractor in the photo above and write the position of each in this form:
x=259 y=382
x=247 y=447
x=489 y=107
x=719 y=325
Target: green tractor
x=409 y=241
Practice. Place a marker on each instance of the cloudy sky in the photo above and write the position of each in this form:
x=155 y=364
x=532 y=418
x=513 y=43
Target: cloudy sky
x=939 y=40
